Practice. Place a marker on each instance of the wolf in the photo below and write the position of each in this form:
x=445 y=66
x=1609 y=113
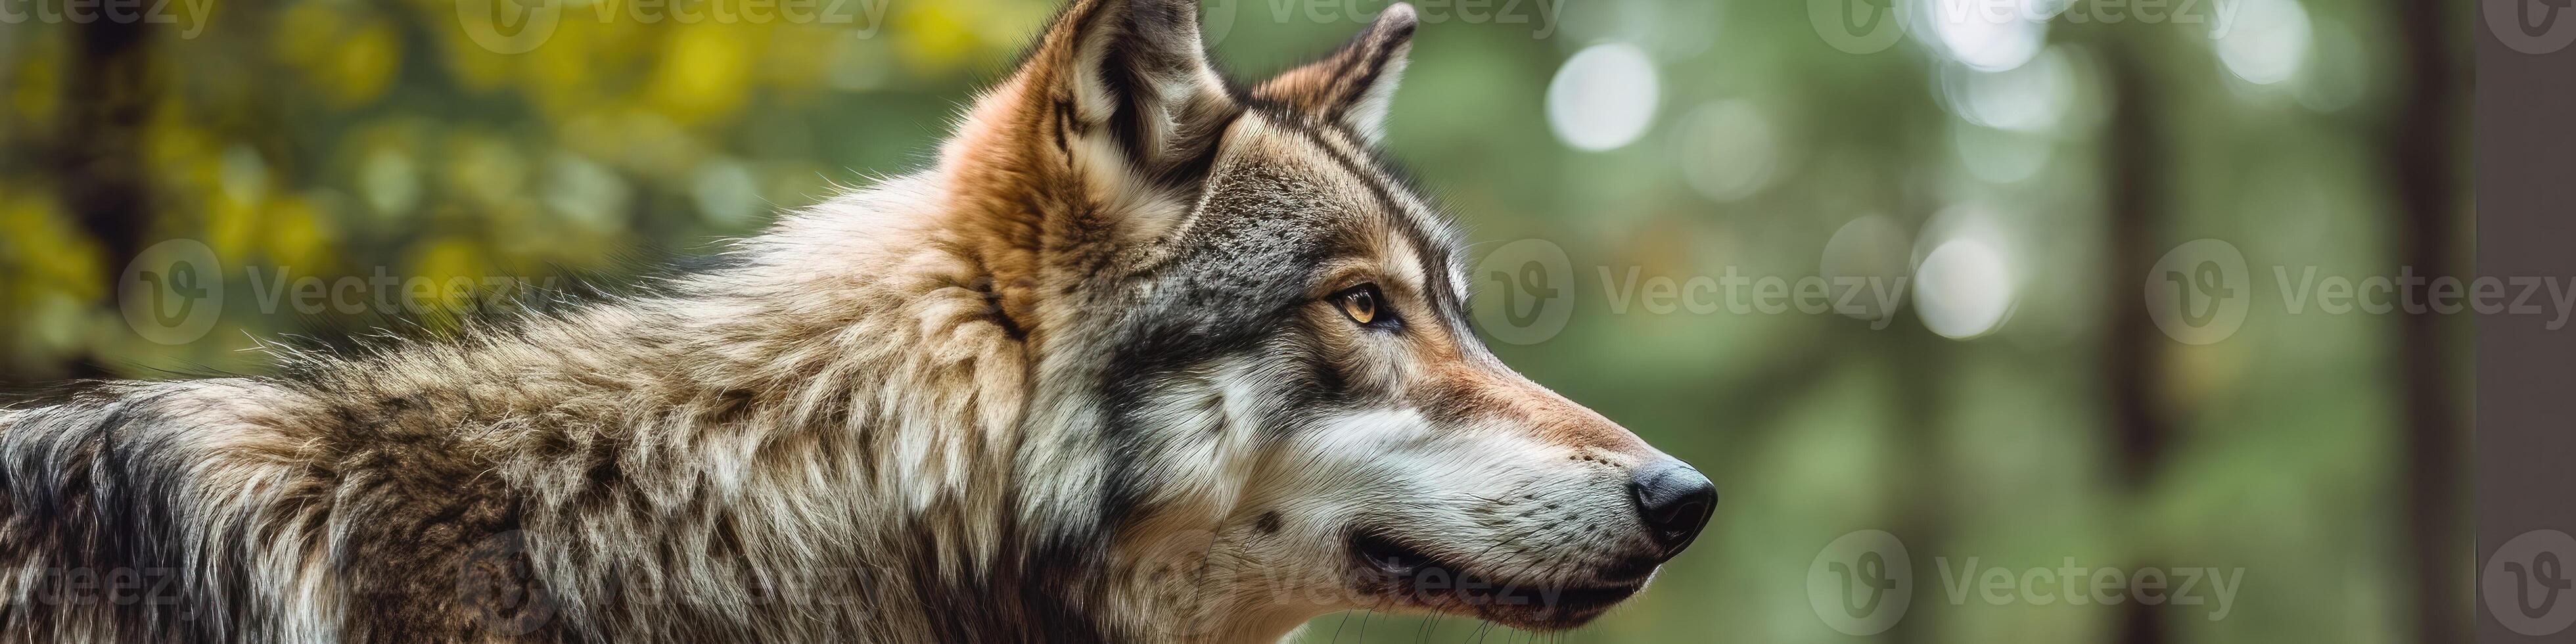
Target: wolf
x=1145 y=356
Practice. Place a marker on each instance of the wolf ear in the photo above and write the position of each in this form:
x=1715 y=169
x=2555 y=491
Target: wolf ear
x=1092 y=146
x=1354 y=85
x=1134 y=71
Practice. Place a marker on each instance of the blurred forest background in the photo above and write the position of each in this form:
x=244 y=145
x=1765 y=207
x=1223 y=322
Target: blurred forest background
x=2033 y=414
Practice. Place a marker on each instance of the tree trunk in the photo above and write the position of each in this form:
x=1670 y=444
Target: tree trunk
x=2137 y=191
x=99 y=153
x=2424 y=163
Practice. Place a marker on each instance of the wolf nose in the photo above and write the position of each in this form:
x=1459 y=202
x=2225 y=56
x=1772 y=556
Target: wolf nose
x=1675 y=500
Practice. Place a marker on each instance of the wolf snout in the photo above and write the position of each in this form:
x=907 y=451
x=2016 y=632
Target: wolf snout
x=1675 y=501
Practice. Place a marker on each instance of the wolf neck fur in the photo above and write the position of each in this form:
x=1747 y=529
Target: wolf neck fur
x=849 y=392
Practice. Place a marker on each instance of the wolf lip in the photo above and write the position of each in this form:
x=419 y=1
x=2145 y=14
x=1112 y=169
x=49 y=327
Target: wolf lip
x=1409 y=574
x=1388 y=556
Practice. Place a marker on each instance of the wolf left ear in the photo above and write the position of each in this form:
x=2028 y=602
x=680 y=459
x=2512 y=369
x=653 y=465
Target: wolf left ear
x=1354 y=85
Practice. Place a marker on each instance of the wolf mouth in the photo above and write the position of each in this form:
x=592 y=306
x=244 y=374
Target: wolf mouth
x=1389 y=566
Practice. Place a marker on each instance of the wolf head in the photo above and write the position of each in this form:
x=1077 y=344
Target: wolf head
x=1253 y=373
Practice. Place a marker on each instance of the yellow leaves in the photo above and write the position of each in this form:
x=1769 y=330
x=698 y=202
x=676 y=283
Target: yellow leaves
x=297 y=233
x=179 y=150
x=389 y=182
x=639 y=141
x=274 y=140
x=704 y=72
x=448 y=259
x=447 y=277
x=304 y=32
x=941 y=39
x=367 y=64
x=192 y=18
x=577 y=68
x=44 y=251
x=248 y=218
x=800 y=57
x=232 y=227
x=488 y=171
x=699 y=63
x=349 y=60
x=51 y=277
x=584 y=194
x=474 y=66
x=935 y=37
x=37 y=92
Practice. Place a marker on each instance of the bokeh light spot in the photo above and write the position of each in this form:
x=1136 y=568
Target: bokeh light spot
x=1987 y=35
x=1963 y=289
x=2268 y=43
x=1729 y=150
x=1604 y=97
x=1864 y=265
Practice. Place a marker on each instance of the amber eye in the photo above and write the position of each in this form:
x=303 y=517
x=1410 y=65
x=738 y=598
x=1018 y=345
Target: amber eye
x=1360 y=303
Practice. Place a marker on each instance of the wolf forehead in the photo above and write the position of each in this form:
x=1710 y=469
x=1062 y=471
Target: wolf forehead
x=1290 y=211
x=1296 y=198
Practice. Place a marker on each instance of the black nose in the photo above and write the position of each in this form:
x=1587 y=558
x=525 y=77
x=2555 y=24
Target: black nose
x=1675 y=500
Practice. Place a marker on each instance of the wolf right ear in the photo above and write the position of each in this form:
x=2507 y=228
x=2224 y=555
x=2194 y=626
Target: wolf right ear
x=1128 y=72
x=1354 y=85
x=1091 y=146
